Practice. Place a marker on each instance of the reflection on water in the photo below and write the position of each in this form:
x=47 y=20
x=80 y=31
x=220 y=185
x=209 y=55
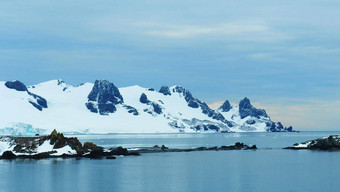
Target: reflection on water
x=262 y=170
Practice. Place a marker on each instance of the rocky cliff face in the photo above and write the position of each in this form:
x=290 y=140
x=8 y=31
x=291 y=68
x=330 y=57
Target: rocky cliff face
x=246 y=109
x=104 y=97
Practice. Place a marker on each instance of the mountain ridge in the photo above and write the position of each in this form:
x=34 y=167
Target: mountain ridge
x=101 y=107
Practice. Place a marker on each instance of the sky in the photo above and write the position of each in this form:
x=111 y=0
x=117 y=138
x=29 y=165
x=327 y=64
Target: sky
x=284 y=55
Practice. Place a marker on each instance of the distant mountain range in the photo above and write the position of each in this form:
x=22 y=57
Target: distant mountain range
x=103 y=108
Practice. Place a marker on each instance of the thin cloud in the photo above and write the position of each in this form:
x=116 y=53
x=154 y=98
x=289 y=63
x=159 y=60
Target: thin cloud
x=192 y=31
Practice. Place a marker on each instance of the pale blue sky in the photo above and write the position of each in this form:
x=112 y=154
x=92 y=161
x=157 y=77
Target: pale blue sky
x=278 y=53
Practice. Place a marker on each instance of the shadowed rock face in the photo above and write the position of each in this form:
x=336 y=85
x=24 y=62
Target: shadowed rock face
x=143 y=99
x=103 y=98
x=196 y=103
x=156 y=107
x=225 y=107
x=246 y=109
x=39 y=102
x=17 y=85
x=165 y=90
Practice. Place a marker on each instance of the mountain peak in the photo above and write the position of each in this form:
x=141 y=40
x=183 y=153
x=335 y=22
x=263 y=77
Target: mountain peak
x=165 y=90
x=103 y=97
x=245 y=104
x=225 y=107
x=246 y=109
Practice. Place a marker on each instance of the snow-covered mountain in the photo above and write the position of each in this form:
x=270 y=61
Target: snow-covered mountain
x=103 y=108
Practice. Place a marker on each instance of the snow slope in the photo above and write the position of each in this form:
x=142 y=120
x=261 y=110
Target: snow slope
x=67 y=111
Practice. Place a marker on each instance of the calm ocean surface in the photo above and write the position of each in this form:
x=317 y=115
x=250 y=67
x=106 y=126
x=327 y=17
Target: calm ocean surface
x=269 y=168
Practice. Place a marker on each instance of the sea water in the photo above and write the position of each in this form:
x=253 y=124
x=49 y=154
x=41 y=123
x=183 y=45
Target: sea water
x=270 y=168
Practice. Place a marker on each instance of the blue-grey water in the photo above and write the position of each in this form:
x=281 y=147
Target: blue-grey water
x=269 y=168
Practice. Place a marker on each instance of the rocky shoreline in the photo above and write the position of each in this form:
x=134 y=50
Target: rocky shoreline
x=157 y=149
x=331 y=143
x=56 y=145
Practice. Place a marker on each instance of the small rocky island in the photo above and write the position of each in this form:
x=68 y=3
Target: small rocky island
x=53 y=146
x=327 y=143
x=56 y=145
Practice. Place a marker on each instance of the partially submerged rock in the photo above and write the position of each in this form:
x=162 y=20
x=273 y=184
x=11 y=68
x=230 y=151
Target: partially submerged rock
x=8 y=155
x=157 y=149
x=57 y=145
x=327 y=143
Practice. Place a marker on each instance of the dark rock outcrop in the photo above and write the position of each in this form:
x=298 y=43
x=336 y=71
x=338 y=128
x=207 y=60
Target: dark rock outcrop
x=39 y=102
x=8 y=155
x=28 y=146
x=207 y=127
x=225 y=106
x=195 y=103
x=104 y=97
x=330 y=143
x=60 y=141
x=165 y=90
x=132 y=110
x=278 y=127
x=156 y=107
x=246 y=109
x=17 y=85
x=237 y=146
x=143 y=99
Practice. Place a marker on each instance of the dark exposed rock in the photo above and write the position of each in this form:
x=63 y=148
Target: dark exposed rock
x=225 y=107
x=290 y=129
x=207 y=127
x=151 y=89
x=165 y=90
x=186 y=93
x=144 y=99
x=103 y=97
x=36 y=105
x=122 y=151
x=237 y=146
x=28 y=146
x=330 y=143
x=39 y=102
x=193 y=104
x=8 y=155
x=134 y=153
x=91 y=107
x=89 y=146
x=132 y=110
x=246 y=109
x=157 y=108
x=59 y=141
x=164 y=148
x=17 y=85
x=95 y=154
x=119 y=151
x=111 y=157
x=278 y=127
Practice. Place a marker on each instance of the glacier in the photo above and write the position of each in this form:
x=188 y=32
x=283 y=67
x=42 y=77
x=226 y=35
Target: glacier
x=101 y=108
